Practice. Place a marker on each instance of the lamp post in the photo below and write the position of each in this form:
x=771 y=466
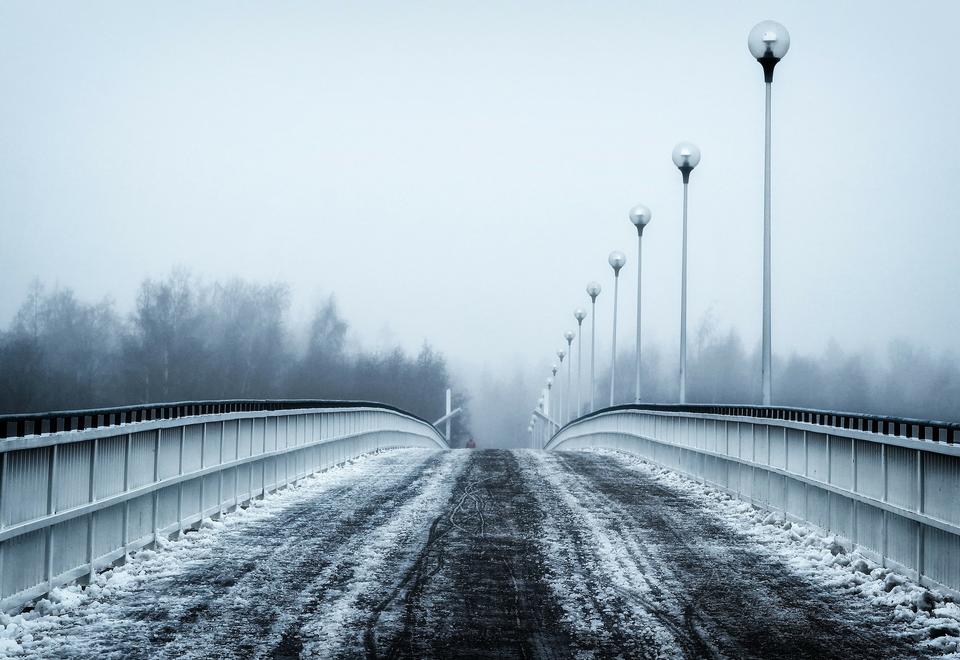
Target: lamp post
x=549 y=396
x=616 y=260
x=579 y=314
x=768 y=42
x=593 y=290
x=686 y=156
x=560 y=354
x=567 y=402
x=640 y=217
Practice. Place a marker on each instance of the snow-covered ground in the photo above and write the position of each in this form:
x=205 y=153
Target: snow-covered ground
x=416 y=553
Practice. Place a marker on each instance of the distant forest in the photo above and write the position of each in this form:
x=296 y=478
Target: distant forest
x=188 y=340
x=900 y=381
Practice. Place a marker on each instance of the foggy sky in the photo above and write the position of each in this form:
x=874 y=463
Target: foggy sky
x=458 y=172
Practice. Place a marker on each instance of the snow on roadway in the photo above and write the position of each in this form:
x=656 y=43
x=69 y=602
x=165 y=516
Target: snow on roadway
x=916 y=612
x=925 y=614
x=642 y=553
x=226 y=590
x=419 y=553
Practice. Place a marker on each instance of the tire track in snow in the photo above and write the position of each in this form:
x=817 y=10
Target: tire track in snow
x=477 y=588
x=721 y=583
x=606 y=598
x=239 y=594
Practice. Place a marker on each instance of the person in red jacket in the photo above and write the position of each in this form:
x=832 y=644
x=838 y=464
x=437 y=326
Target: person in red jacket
x=471 y=444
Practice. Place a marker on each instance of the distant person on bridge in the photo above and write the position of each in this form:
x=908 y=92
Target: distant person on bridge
x=471 y=444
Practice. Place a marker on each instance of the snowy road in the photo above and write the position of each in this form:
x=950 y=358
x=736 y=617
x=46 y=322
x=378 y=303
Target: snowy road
x=491 y=553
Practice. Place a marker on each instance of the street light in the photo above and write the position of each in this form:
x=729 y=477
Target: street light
x=616 y=260
x=593 y=290
x=640 y=217
x=567 y=403
x=768 y=42
x=560 y=354
x=549 y=396
x=686 y=156
x=579 y=314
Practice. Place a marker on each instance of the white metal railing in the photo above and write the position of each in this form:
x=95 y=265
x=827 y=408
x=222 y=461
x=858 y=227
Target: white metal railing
x=72 y=502
x=896 y=498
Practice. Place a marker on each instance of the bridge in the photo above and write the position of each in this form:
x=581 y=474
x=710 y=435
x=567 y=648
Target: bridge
x=346 y=529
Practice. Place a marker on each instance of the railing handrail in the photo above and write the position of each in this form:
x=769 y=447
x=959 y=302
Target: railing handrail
x=883 y=425
x=90 y=418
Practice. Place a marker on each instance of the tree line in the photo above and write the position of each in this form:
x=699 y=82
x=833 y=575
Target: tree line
x=190 y=340
x=901 y=381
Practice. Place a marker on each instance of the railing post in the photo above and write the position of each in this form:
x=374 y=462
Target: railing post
x=855 y=486
x=156 y=493
x=883 y=474
x=883 y=470
x=126 y=503
x=220 y=472
x=183 y=433
x=263 y=463
x=806 y=456
x=769 y=473
x=92 y=497
x=786 y=463
x=3 y=517
x=236 y=467
x=203 y=453
x=920 y=507
x=51 y=508
x=3 y=490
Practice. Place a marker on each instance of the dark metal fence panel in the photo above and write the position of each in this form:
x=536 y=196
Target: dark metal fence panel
x=28 y=424
x=934 y=431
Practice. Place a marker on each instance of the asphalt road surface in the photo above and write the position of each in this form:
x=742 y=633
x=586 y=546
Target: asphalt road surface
x=483 y=553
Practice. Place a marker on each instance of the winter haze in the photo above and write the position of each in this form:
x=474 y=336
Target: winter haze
x=457 y=173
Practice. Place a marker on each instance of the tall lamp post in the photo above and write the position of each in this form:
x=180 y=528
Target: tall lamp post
x=593 y=290
x=616 y=260
x=686 y=156
x=543 y=425
x=768 y=42
x=535 y=421
x=553 y=370
x=560 y=354
x=567 y=401
x=640 y=217
x=579 y=314
x=549 y=397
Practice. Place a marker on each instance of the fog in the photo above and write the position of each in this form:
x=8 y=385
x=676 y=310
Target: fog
x=456 y=174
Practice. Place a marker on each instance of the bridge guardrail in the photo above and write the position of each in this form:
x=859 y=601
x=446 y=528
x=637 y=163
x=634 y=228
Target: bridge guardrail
x=23 y=424
x=893 y=497
x=75 y=501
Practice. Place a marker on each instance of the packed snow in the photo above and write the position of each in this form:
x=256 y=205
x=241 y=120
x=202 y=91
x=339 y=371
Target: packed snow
x=417 y=552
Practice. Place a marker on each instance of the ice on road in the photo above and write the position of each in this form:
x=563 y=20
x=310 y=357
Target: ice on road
x=484 y=553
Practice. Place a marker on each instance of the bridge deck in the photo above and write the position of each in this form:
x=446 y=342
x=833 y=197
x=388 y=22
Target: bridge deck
x=470 y=553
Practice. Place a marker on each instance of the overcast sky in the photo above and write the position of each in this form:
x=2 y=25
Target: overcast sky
x=458 y=171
